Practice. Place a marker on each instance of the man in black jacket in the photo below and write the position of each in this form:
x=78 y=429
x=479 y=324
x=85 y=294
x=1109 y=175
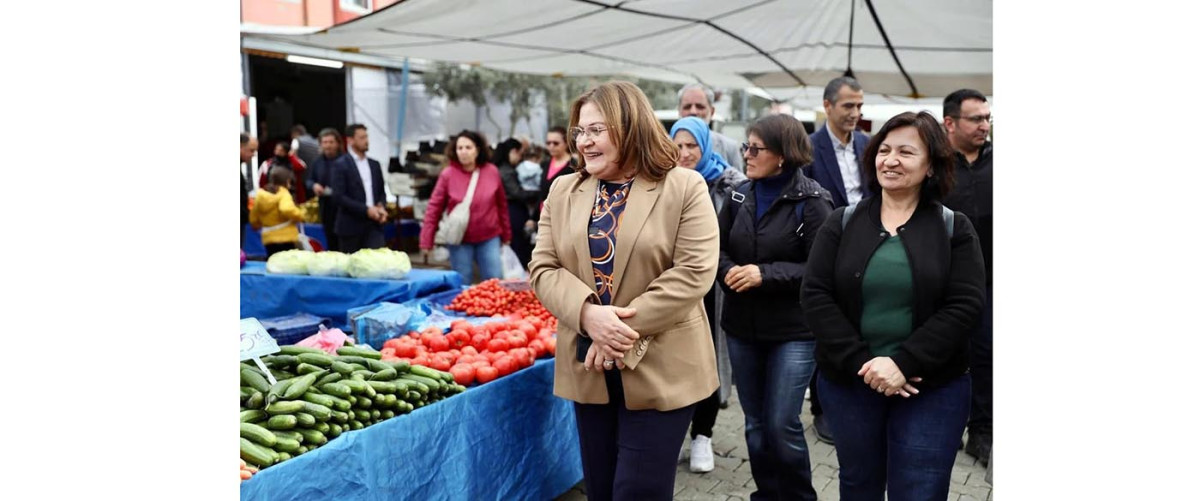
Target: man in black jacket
x=968 y=121
x=331 y=160
x=249 y=146
x=360 y=196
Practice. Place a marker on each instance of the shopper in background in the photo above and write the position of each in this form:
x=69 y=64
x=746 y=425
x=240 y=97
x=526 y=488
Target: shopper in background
x=560 y=163
x=249 y=146
x=358 y=192
x=331 y=160
x=968 y=121
x=275 y=213
x=692 y=137
x=892 y=292
x=635 y=352
x=508 y=156
x=767 y=228
x=488 y=226
x=304 y=145
x=696 y=100
x=288 y=160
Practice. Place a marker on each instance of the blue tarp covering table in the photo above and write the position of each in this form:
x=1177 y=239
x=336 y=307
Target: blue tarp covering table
x=508 y=439
x=266 y=295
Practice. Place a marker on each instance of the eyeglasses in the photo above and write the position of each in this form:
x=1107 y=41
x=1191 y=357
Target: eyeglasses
x=592 y=131
x=977 y=119
x=747 y=147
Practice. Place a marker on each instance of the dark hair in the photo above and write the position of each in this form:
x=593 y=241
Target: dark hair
x=835 y=85
x=299 y=129
x=330 y=131
x=534 y=153
x=937 y=144
x=785 y=136
x=503 y=149
x=482 y=152
x=245 y=139
x=279 y=176
x=353 y=128
x=559 y=129
x=952 y=105
x=287 y=146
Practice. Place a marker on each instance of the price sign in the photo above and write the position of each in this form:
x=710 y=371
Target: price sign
x=255 y=342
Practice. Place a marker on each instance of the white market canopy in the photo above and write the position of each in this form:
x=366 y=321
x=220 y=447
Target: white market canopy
x=902 y=48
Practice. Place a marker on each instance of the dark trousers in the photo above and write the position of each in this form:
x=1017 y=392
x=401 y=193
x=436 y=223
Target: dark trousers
x=814 y=395
x=328 y=219
x=905 y=446
x=629 y=455
x=273 y=248
x=518 y=213
x=771 y=377
x=371 y=239
x=981 y=372
x=707 y=409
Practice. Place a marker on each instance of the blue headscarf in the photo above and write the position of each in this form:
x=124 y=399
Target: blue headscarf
x=711 y=163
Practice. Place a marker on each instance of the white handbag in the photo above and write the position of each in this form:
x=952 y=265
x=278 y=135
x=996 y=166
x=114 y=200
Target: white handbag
x=454 y=224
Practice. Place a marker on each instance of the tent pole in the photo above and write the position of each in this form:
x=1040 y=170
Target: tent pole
x=404 y=75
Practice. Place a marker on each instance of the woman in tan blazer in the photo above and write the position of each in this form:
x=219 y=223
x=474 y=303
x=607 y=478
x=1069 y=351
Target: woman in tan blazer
x=627 y=247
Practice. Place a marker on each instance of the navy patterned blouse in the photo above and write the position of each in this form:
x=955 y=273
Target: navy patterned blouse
x=602 y=233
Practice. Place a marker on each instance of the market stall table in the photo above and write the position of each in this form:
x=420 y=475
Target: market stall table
x=508 y=439
x=266 y=295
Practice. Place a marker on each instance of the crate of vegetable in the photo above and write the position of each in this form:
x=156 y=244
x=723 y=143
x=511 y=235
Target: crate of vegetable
x=319 y=396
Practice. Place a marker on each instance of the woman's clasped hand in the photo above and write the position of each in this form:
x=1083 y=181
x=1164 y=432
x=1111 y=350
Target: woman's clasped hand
x=611 y=337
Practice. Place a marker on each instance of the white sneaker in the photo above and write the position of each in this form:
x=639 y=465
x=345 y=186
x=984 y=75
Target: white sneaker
x=702 y=454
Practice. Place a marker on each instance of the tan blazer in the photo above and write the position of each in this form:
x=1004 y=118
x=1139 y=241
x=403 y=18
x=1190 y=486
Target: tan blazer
x=666 y=260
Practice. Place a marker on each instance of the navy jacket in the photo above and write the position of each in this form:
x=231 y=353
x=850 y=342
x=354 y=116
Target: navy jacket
x=321 y=167
x=824 y=169
x=351 y=196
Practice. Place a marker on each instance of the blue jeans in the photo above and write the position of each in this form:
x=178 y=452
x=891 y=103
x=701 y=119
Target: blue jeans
x=905 y=446
x=486 y=253
x=771 y=378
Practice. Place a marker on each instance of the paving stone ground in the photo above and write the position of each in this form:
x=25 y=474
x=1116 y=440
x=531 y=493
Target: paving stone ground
x=731 y=479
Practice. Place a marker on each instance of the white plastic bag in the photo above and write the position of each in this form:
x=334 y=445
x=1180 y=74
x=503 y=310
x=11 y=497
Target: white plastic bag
x=512 y=266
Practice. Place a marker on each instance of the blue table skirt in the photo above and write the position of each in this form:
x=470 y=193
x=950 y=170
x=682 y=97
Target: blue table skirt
x=508 y=439
x=254 y=246
x=266 y=295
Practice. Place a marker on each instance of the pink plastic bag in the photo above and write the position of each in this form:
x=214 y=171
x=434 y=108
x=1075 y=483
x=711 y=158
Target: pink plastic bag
x=328 y=340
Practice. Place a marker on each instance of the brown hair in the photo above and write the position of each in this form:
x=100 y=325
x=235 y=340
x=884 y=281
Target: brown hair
x=482 y=152
x=278 y=177
x=785 y=136
x=941 y=156
x=643 y=146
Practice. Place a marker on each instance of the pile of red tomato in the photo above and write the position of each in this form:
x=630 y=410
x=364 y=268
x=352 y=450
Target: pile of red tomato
x=476 y=353
x=491 y=297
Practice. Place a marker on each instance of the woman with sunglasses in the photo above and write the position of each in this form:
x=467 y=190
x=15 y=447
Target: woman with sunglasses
x=894 y=287
x=626 y=249
x=697 y=152
x=767 y=227
x=560 y=163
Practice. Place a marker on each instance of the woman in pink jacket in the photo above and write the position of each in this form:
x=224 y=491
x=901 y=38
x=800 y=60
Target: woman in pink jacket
x=488 y=226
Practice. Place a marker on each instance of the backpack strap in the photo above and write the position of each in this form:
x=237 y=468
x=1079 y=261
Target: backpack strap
x=948 y=219
x=799 y=208
x=742 y=191
x=847 y=213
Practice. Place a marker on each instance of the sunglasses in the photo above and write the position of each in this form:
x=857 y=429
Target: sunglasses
x=553 y=143
x=747 y=147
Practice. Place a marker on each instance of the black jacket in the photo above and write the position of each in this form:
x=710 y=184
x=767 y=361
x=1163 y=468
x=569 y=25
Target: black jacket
x=513 y=191
x=350 y=195
x=948 y=292
x=779 y=245
x=571 y=167
x=972 y=196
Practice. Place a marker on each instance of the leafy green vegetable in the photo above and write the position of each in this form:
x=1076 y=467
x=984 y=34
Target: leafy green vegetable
x=292 y=262
x=379 y=263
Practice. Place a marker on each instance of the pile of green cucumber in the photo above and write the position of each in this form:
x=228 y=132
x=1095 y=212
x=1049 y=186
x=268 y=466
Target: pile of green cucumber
x=318 y=396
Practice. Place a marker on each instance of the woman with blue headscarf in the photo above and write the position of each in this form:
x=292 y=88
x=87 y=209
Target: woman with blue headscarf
x=696 y=152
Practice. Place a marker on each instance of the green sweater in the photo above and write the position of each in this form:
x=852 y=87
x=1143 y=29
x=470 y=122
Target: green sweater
x=887 y=294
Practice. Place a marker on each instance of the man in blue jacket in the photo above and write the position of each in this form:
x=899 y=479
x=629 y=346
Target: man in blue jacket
x=838 y=145
x=359 y=194
x=331 y=160
x=837 y=151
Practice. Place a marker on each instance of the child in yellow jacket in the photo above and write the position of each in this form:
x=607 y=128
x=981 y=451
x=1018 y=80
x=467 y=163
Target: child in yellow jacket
x=275 y=213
